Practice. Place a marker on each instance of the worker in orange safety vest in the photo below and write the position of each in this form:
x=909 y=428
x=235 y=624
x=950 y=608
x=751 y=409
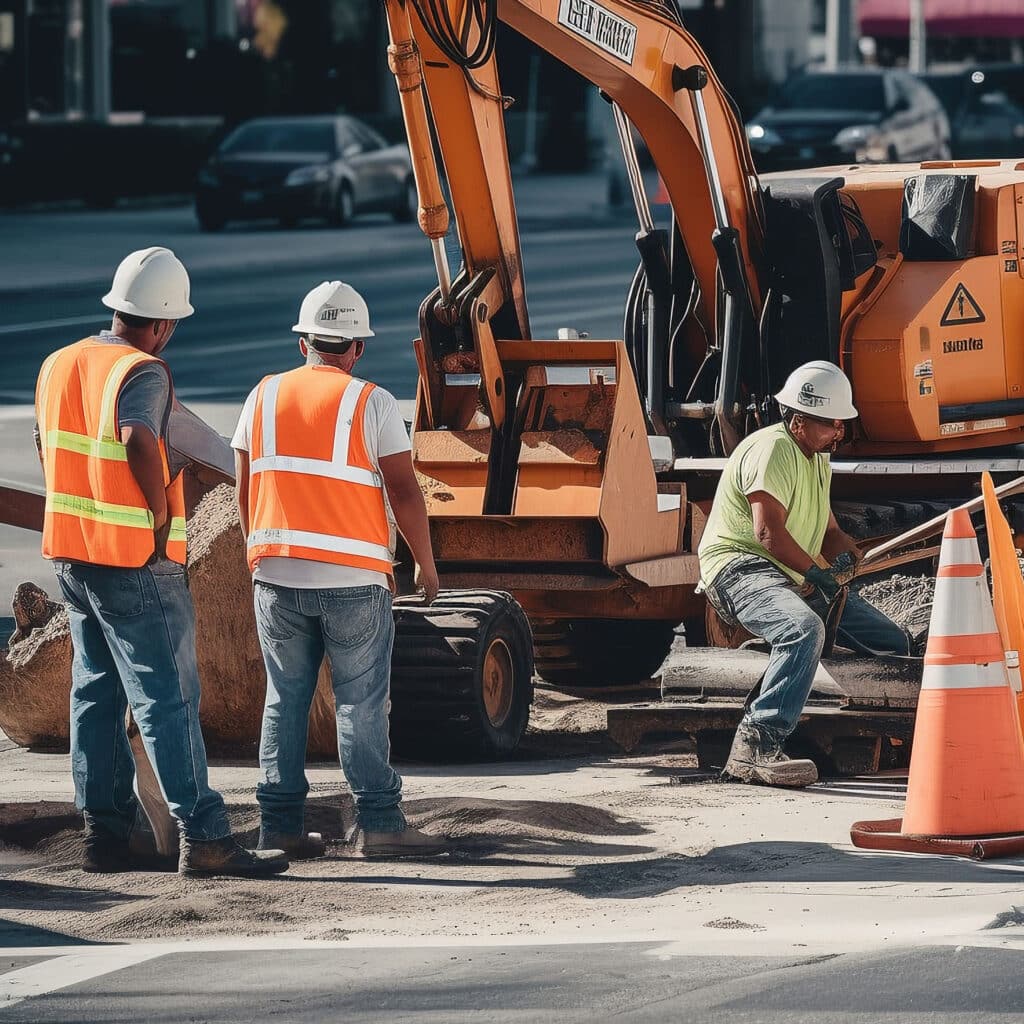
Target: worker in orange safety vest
x=115 y=529
x=320 y=457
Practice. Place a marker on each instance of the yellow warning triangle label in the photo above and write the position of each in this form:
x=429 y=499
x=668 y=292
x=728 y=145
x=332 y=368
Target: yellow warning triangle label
x=961 y=309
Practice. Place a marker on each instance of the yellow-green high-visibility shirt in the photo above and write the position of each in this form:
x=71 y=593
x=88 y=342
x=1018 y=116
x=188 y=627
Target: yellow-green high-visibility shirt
x=768 y=460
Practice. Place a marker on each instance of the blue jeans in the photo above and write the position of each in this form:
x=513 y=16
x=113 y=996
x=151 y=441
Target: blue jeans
x=133 y=634
x=355 y=628
x=766 y=603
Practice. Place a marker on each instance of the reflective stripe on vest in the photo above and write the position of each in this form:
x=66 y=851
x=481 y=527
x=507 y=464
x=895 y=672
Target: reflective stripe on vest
x=95 y=509
x=295 y=498
x=320 y=541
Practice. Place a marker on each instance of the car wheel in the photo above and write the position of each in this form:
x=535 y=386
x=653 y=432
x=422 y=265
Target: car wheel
x=344 y=207
x=208 y=220
x=408 y=204
x=288 y=221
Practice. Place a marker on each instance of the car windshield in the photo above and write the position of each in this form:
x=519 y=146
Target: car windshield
x=281 y=137
x=832 y=92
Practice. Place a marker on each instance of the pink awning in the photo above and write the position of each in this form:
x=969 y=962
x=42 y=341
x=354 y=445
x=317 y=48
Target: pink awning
x=944 y=17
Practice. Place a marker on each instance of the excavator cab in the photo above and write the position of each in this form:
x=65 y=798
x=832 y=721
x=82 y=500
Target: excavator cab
x=817 y=246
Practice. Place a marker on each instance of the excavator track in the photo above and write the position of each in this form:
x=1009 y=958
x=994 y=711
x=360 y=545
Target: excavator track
x=461 y=676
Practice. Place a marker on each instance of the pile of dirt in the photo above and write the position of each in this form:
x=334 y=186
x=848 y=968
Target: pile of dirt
x=35 y=674
x=44 y=888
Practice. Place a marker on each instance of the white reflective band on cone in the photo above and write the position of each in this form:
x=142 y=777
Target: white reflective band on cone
x=959 y=551
x=962 y=607
x=963 y=677
x=1013 y=670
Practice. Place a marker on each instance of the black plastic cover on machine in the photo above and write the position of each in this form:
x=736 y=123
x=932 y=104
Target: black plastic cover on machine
x=938 y=217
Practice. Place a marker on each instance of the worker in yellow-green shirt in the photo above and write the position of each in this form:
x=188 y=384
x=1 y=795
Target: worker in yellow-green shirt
x=770 y=532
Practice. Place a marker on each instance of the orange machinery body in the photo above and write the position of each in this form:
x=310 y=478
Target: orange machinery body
x=532 y=455
x=588 y=518
x=928 y=345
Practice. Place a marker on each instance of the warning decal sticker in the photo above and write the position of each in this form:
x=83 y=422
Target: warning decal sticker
x=961 y=309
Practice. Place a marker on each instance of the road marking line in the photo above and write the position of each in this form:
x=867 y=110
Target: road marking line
x=43 y=325
x=67 y=970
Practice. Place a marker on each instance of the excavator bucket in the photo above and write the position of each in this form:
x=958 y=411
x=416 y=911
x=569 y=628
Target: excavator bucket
x=580 y=496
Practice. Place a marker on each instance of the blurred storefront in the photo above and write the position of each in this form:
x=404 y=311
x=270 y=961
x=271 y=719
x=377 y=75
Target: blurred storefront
x=964 y=31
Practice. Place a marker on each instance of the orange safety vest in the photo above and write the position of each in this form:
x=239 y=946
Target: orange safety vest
x=95 y=509
x=313 y=492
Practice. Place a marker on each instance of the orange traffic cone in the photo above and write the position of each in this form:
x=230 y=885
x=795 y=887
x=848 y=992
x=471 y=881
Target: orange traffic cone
x=1007 y=589
x=966 y=789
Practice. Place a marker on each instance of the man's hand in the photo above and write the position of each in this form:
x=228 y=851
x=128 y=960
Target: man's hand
x=160 y=535
x=824 y=582
x=426 y=579
x=844 y=566
x=411 y=516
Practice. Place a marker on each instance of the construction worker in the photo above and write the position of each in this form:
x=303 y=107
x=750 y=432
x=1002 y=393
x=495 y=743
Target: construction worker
x=316 y=452
x=115 y=530
x=770 y=526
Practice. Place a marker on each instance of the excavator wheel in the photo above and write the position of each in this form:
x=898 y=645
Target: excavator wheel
x=461 y=676
x=593 y=653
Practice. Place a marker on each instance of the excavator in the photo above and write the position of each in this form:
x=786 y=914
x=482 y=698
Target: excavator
x=568 y=479
x=577 y=474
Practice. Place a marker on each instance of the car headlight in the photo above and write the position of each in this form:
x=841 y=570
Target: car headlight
x=761 y=137
x=855 y=137
x=207 y=177
x=308 y=175
x=863 y=142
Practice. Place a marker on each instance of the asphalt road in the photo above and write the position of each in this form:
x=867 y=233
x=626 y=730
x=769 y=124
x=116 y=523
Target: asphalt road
x=248 y=281
x=636 y=982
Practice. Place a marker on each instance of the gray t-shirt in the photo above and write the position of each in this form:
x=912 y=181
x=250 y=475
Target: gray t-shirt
x=145 y=395
x=145 y=399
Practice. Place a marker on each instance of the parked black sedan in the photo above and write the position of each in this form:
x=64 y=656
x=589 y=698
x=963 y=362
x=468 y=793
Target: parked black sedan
x=985 y=104
x=295 y=167
x=856 y=115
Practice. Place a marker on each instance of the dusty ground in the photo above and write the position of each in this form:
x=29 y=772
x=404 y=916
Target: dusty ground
x=582 y=847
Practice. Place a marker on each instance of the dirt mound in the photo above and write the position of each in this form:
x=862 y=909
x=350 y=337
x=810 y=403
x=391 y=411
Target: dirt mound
x=44 y=889
x=466 y=816
x=35 y=673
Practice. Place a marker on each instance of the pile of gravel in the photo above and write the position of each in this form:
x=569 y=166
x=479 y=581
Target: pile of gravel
x=907 y=600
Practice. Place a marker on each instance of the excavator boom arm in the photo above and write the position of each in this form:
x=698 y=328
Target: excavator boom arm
x=638 y=55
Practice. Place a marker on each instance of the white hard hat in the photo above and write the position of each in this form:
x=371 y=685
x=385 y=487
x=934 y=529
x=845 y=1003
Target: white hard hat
x=820 y=389
x=334 y=309
x=150 y=282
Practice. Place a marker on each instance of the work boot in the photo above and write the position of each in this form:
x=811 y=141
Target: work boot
x=756 y=756
x=226 y=857
x=106 y=853
x=297 y=845
x=410 y=842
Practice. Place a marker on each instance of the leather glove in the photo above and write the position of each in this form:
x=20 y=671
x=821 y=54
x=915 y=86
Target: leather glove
x=844 y=567
x=824 y=582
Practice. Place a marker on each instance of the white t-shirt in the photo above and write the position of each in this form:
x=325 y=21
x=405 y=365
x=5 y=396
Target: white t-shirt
x=385 y=434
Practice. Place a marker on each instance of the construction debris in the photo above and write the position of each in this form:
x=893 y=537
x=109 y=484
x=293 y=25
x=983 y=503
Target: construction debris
x=907 y=600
